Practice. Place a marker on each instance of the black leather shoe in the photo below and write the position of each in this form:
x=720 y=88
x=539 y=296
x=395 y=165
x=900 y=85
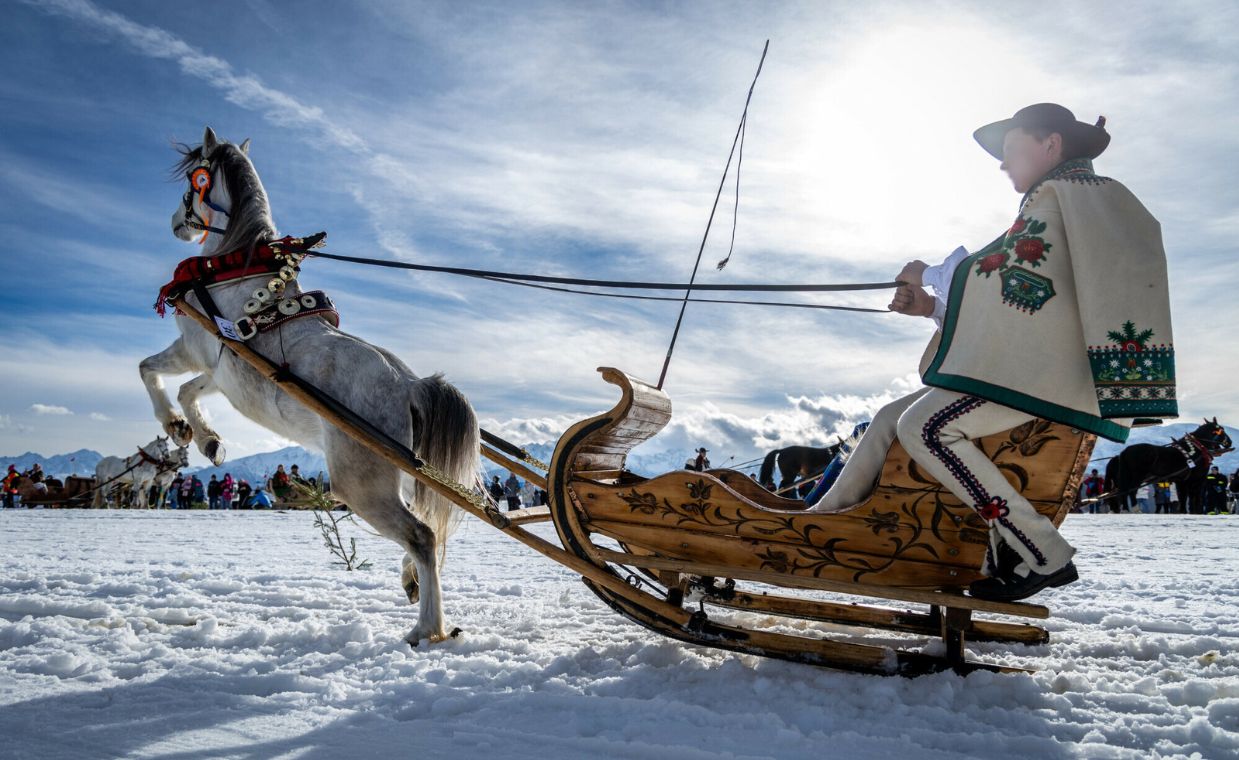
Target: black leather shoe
x=1013 y=588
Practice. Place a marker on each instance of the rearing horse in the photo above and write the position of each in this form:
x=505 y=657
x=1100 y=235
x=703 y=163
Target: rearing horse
x=433 y=417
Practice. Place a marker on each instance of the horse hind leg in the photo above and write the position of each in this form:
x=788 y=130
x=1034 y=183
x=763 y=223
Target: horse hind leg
x=408 y=578
x=371 y=488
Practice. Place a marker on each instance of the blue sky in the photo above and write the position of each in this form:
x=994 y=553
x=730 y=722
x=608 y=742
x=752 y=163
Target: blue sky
x=582 y=139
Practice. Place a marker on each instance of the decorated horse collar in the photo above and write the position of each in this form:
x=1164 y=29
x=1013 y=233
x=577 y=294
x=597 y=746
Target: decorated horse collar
x=1191 y=446
x=269 y=258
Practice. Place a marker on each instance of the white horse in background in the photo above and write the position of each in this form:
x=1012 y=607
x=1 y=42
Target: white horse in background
x=117 y=472
x=430 y=415
x=161 y=477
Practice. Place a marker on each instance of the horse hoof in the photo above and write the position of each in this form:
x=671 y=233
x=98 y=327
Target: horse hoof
x=215 y=452
x=416 y=637
x=180 y=431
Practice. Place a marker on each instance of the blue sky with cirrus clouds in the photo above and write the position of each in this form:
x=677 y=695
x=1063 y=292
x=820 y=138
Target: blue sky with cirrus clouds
x=583 y=140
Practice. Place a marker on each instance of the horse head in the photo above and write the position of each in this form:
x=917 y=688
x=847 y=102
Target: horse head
x=157 y=448
x=224 y=198
x=1213 y=435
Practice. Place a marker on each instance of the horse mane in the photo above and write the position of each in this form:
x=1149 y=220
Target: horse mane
x=249 y=221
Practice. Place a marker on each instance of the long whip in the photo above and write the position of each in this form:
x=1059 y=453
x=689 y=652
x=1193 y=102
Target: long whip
x=662 y=376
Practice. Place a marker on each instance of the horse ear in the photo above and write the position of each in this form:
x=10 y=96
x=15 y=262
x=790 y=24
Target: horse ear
x=1215 y=420
x=245 y=146
x=209 y=142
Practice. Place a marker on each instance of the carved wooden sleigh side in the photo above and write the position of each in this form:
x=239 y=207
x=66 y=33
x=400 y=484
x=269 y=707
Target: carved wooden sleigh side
x=686 y=540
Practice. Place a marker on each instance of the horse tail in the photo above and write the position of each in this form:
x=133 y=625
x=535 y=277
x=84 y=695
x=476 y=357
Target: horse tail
x=445 y=436
x=767 y=468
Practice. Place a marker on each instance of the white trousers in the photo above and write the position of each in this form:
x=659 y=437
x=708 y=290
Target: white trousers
x=937 y=428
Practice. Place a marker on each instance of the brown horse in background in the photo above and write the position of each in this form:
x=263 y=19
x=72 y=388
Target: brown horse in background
x=793 y=462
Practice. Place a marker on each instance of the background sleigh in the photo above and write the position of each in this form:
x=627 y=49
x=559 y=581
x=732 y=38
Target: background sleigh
x=684 y=539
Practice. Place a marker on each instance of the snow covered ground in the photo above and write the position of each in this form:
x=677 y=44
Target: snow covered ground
x=230 y=635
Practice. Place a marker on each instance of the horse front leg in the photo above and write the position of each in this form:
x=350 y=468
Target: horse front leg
x=173 y=360
x=208 y=440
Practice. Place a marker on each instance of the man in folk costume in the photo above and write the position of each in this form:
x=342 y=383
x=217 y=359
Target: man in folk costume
x=1065 y=317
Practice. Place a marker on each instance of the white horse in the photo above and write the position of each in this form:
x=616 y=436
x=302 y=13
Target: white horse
x=131 y=471
x=433 y=417
x=162 y=476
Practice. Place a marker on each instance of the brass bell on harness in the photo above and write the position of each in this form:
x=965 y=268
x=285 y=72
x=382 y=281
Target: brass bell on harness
x=263 y=296
x=276 y=286
x=288 y=273
x=308 y=301
x=253 y=306
x=289 y=307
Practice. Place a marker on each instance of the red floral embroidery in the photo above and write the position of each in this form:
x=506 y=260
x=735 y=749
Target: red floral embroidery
x=996 y=508
x=1030 y=249
x=1132 y=345
x=1024 y=240
x=991 y=263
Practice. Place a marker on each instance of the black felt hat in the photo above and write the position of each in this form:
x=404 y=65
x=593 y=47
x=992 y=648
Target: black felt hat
x=1089 y=139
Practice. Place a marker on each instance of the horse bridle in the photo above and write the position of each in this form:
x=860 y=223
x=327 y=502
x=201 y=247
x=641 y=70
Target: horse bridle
x=161 y=465
x=200 y=183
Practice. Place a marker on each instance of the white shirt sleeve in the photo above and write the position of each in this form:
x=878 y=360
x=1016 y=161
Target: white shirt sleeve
x=938 y=278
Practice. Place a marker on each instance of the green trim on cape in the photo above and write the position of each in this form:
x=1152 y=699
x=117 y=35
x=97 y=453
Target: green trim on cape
x=996 y=393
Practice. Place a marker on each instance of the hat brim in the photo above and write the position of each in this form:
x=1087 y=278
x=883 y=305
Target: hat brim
x=1092 y=141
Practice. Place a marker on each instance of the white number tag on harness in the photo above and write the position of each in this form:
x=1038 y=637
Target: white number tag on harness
x=227 y=329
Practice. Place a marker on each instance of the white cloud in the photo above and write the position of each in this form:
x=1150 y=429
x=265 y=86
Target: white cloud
x=99 y=416
x=800 y=420
x=243 y=90
x=49 y=409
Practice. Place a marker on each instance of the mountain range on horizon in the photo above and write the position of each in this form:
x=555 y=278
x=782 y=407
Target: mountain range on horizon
x=256 y=467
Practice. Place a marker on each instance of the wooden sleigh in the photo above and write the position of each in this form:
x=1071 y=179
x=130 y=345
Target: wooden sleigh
x=697 y=541
x=714 y=559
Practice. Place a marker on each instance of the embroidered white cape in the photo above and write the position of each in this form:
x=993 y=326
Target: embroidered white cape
x=1066 y=315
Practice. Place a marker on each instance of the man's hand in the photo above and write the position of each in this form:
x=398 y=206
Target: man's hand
x=912 y=273
x=913 y=301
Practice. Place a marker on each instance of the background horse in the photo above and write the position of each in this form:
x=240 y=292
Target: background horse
x=162 y=476
x=1141 y=463
x=120 y=473
x=794 y=462
x=429 y=414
